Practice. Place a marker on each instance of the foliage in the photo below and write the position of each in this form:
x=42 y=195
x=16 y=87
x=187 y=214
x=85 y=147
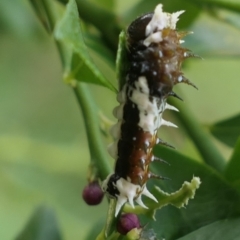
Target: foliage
x=85 y=33
x=41 y=226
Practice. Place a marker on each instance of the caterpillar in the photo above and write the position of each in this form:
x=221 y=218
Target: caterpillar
x=155 y=57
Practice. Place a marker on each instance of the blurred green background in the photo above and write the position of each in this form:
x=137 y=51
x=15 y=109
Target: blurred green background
x=43 y=149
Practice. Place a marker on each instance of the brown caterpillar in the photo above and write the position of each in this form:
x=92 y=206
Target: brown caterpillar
x=155 y=56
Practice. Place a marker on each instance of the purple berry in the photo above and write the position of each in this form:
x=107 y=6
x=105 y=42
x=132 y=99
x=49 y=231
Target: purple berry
x=127 y=222
x=92 y=194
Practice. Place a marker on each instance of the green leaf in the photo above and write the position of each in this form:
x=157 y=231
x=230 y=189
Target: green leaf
x=47 y=12
x=210 y=203
x=122 y=62
x=147 y=234
x=227 y=229
x=232 y=5
x=236 y=185
x=15 y=18
x=227 y=131
x=230 y=18
x=213 y=38
x=233 y=168
x=69 y=33
x=42 y=226
x=134 y=234
x=41 y=11
x=96 y=44
x=96 y=229
x=104 y=20
x=178 y=199
x=107 y=4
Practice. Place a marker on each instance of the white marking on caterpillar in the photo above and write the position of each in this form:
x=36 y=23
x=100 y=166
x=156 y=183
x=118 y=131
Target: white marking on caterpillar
x=130 y=192
x=141 y=99
x=142 y=84
x=153 y=38
x=121 y=96
x=162 y=20
x=170 y=107
x=139 y=201
x=148 y=194
x=169 y=124
x=115 y=130
x=180 y=78
x=112 y=149
x=118 y=111
x=160 y=54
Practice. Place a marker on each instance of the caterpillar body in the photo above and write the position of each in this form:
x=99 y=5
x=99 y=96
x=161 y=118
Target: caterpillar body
x=155 y=56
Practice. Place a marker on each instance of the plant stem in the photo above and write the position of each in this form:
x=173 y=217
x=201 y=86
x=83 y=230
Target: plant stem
x=51 y=20
x=200 y=137
x=90 y=116
x=50 y=15
x=98 y=156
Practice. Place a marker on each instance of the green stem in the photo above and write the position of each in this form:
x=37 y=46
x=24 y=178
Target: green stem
x=50 y=15
x=111 y=220
x=90 y=116
x=47 y=16
x=199 y=136
x=98 y=156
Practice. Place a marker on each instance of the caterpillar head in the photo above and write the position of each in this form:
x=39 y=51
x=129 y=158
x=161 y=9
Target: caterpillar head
x=136 y=30
x=155 y=52
x=109 y=185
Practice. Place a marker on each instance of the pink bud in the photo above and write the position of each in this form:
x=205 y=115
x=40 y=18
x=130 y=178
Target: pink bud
x=127 y=222
x=92 y=194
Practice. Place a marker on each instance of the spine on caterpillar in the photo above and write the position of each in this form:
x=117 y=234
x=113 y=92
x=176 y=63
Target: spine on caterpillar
x=155 y=56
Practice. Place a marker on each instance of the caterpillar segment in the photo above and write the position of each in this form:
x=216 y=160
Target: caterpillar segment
x=155 y=57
